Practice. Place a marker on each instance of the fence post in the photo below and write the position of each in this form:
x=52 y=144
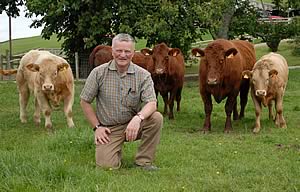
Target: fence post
x=77 y=65
x=1 y=65
x=8 y=66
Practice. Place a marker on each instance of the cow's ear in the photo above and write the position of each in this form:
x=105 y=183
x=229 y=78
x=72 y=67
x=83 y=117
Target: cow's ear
x=273 y=72
x=62 y=67
x=197 y=52
x=146 y=51
x=174 y=52
x=246 y=74
x=33 y=67
x=231 y=52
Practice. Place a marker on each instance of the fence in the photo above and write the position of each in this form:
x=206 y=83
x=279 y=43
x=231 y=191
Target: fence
x=79 y=63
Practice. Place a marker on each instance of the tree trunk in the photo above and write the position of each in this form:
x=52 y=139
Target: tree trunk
x=227 y=16
x=273 y=44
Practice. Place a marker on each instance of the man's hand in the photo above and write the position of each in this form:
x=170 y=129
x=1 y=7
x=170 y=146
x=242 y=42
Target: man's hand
x=132 y=129
x=102 y=135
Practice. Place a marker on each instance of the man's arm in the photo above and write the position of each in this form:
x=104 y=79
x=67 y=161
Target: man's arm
x=135 y=123
x=89 y=113
x=148 y=109
x=101 y=134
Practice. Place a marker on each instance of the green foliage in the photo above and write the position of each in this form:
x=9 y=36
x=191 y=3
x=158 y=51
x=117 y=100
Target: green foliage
x=273 y=32
x=244 y=21
x=11 y=7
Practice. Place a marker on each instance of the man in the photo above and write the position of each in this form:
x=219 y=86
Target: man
x=125 y=107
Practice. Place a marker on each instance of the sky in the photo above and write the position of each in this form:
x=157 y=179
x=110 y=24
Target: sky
x=20 y=27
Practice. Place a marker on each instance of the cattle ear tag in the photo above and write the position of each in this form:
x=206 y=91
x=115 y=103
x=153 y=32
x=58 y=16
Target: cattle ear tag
x=230 y=56
x=246 y=76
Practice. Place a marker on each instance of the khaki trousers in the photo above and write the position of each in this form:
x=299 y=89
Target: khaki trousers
x=110 y=155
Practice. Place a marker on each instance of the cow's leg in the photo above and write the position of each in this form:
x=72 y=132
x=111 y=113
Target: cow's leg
x=171 y=103
x=206 y=97
x=235 y=112
x=166 y=101
x=37 y=113
x=178 y=98
x=24 y=94
x=271 y=115
x=258 y=109
x=279 y=121
x=244 y=89
x=156 y=93
x=68 y=103
x=45 y=108
x=229 y=106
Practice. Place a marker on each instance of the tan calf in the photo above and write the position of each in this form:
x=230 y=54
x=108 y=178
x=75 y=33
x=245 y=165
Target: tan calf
x=50 y=79
x=269 y=78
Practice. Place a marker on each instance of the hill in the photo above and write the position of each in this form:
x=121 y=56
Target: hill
x=25 y=44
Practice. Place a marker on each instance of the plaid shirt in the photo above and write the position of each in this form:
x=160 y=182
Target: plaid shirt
x=118 y=97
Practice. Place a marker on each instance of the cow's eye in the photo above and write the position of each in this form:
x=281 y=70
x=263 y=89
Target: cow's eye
x=221 y=61
x=55 y=73
x=253 y=81
x=166 y=57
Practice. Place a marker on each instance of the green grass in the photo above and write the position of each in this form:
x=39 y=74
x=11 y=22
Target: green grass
x=32 y=159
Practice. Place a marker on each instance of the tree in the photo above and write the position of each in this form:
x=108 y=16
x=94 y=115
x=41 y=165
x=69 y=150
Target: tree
x=84 y=24
x=11 y=7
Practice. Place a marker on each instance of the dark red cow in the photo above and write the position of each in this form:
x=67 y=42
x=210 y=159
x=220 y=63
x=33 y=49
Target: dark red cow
x=103 y=53
x=167 y=74
x=220 y=75
x=100 y=54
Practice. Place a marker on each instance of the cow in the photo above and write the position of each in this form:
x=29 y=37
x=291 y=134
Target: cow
x=103 y=53
x=268 y=81
x=50 y=79
x=8 y=71
x=168 y=74
x=220 y=74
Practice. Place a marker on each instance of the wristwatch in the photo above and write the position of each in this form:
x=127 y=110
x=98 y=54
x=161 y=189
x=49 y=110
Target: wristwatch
x=140 y=116
x=97 y=127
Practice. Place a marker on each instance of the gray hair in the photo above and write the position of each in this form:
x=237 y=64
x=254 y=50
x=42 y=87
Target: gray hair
x=123 y=37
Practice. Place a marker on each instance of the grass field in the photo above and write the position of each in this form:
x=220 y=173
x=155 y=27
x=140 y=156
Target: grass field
x=32 y=159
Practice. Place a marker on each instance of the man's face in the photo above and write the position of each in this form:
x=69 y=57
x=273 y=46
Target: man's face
x=122 y=52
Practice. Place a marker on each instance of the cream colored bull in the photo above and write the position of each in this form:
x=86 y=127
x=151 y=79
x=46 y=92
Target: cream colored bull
x=50 y=79
x=269 y=78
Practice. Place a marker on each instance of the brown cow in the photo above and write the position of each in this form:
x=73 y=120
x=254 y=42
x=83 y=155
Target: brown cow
x=268 y=82
x=8 y=71
x=220 y=75
x=100 y=54
x=50 y=79
x=167 y=74
x=103 y=53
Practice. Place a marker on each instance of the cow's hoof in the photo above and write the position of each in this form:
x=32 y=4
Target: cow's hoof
x=227 y=131
x=23 y=120
x=48 y=126
x=205 y=131
x=71 y=126
x=256 y=130
x=283 y=125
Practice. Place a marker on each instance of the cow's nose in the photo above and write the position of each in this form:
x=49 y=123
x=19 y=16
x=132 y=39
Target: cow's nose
x=260 y=92
x=212 y=81
x=159 y=71
x=48 y=87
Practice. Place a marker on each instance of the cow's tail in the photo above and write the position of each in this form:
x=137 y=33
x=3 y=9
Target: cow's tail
x=8 y=71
